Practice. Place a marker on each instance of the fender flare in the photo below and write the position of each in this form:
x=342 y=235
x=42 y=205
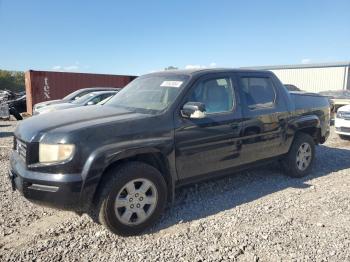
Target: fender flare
x=102 y=158
x=305 y=122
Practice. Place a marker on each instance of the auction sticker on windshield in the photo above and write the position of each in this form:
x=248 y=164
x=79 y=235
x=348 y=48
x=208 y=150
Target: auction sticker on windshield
x=172 y=83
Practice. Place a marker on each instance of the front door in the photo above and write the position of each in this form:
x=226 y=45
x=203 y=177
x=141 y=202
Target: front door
x=212 y=143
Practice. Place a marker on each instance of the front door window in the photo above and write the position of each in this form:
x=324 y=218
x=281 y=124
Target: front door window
x=216 y=93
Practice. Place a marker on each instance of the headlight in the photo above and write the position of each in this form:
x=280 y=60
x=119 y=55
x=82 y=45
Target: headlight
x=36 y=107
x=45 y=110
x=339 y=114
x=55 y=153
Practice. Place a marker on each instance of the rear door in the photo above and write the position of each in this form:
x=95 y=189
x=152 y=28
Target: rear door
x=265 y=114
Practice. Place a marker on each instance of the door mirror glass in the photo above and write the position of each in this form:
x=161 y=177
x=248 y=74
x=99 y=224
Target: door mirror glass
x=194 y=110
x=90 y=103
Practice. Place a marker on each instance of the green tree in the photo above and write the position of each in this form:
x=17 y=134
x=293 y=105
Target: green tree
x=11 y=80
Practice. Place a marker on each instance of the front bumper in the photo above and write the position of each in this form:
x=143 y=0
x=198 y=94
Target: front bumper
x=55 y=190
x=342 y=126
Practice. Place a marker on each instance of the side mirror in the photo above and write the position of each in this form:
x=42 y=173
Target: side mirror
x=90 y=103
x=194 y=110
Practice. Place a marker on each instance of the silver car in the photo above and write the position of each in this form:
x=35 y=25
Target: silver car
x=86 y=100
x=73 y=96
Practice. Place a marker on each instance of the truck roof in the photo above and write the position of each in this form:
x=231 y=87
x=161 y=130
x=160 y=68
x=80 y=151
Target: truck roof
x=200 y=71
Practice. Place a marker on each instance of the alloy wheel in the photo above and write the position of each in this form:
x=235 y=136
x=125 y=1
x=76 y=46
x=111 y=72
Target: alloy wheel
x=304 y=156
x=136 y=201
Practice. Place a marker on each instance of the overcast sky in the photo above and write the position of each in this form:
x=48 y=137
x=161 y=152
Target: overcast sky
x=137 y=37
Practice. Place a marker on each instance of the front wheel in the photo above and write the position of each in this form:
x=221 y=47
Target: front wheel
x=298 y=162
x=133 y=197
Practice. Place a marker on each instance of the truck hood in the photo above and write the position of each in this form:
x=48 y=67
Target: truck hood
x=33 y=128
x=56 y=106
x=50 y=102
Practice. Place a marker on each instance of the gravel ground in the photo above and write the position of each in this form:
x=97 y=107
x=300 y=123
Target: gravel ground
x=257 y=215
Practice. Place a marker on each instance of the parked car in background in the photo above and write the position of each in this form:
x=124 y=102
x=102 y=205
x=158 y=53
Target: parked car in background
x=122 y=161
x=92 y=98
x=6 y=95
x=342 y=122
x=72 y=96
x=337 y=98
x=12 y=104
x=18 y=106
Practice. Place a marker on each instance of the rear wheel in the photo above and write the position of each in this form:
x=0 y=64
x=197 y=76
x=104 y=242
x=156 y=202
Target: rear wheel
x=133 y=197
x=298 y=162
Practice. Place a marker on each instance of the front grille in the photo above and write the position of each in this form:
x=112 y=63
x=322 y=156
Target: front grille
x=344 y=129
x=344 y=115
x=21 y=149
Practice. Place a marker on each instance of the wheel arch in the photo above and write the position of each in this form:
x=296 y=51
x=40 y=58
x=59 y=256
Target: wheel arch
x=314 y=132
x=150 y=156
x=310 y=125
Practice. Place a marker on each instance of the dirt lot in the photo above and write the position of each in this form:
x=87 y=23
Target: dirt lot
x=257 y=215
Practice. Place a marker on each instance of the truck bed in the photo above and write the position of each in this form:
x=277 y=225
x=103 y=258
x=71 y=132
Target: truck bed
x=303 y=100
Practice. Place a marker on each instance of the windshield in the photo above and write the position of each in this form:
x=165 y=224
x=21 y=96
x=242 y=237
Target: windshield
x=104 y=100
x=154 y=93
x=75 y=95
x=83 y=99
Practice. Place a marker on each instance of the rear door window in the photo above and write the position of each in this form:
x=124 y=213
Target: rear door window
x=259 y=92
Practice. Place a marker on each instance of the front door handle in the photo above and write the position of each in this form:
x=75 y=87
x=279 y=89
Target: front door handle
x=281 y=120
x=235 y=126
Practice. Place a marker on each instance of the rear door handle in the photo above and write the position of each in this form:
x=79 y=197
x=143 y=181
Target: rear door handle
x=281 y=120
x=235 y=126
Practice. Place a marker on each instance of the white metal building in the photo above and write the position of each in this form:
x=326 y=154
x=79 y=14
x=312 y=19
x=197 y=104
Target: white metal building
x=314 y=77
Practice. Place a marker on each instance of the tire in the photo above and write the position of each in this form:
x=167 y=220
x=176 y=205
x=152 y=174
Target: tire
x=114 y=191
x=293 y=165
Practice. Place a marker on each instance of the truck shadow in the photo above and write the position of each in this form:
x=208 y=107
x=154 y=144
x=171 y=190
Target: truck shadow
x=208 y=198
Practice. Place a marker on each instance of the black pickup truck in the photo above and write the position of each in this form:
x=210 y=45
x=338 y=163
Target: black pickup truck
x=122 y=161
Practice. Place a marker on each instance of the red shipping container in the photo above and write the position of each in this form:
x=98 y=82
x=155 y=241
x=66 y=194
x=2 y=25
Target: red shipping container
x=45 y=85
